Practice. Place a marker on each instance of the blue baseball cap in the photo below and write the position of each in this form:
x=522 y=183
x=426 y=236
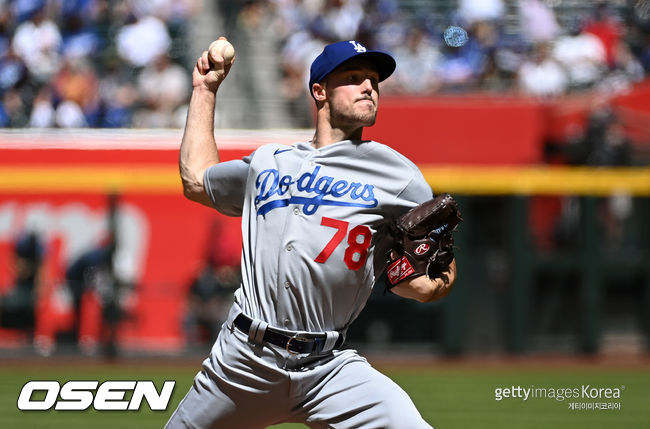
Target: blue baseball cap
x=335 y=54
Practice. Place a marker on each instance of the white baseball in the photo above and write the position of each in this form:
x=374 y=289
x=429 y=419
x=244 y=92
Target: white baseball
x=221 y=48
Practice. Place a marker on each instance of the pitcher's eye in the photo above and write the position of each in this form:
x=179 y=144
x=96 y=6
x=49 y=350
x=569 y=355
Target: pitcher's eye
x=355 y=78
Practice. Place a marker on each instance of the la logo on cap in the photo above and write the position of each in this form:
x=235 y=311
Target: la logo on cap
x=358 y=46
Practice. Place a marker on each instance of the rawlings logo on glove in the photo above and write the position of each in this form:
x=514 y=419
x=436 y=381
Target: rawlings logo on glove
x=424 y=242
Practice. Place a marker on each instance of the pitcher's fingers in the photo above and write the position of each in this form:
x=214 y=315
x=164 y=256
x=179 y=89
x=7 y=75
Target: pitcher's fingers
x=205 y=61
x=199 y=66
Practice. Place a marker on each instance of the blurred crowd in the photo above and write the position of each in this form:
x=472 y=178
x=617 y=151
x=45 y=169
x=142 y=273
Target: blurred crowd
x=599 y=47
x=122 y=63
x=93 y=63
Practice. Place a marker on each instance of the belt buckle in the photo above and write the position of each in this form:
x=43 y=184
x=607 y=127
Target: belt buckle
x=294 y=337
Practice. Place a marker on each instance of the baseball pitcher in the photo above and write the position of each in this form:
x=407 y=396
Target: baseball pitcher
x=322 y=222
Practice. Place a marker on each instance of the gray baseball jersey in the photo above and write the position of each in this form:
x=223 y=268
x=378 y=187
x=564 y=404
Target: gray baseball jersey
x=314 y=225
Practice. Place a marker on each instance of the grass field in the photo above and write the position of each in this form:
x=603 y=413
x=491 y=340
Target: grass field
x=449 y=395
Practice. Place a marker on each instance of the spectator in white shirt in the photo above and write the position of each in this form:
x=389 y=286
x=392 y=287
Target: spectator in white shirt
x=583 y=56
x=142 y=41
x=38 y=43
x=541 y=75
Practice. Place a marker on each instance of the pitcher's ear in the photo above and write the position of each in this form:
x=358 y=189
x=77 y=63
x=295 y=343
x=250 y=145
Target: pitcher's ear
x=318 y=91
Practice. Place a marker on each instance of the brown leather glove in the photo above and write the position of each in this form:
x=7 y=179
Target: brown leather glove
x=423 y=240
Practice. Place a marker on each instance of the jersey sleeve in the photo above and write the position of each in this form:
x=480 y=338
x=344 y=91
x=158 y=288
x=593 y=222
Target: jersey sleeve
x=225 y=184
x=416 y=191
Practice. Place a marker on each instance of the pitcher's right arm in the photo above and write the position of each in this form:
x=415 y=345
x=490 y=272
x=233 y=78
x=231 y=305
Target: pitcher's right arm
x=198 y=146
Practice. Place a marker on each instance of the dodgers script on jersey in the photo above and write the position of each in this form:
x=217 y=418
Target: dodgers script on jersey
x=315 y=225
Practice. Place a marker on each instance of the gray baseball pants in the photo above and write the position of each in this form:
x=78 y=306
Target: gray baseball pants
x=245 y=385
